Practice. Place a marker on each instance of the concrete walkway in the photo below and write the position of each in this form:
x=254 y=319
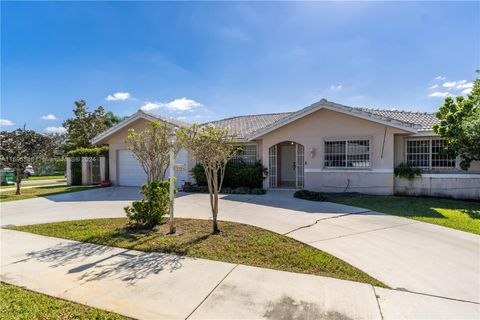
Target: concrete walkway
x=160 y=286
x=402 y=253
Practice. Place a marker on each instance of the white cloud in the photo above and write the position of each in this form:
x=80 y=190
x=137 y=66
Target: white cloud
x=434 y=86
x=440 y=78
x=181 y=118
x=467 y=85
x=49 y=117
x=336 y=87
x=6 y=122
x=439 y=94
x=151 y=106
x=454 y=84
x=55 y=129
x=179 y=105
x=118 y=96
x=467 y=91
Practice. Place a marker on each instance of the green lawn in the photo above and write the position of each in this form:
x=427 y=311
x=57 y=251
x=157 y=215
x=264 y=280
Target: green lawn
x=21 y=304
x=237 y=243
x=39 y=192
x=456 y=214
x=45 y=177
x=30 y=185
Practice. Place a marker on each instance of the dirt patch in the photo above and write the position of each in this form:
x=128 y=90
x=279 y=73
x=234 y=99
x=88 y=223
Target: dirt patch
x=288 y=309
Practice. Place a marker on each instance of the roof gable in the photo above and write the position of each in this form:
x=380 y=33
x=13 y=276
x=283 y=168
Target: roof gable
x=140 y=114
x=325 y=104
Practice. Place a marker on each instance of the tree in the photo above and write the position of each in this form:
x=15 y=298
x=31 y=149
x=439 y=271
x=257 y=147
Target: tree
x=151 y=148
x=460 y=125
x=82 y=128
x=112 y=119
x=212 y=147
x=21 y=147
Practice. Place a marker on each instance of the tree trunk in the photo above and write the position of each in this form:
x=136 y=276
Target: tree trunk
x=216 y=230
x=19 y=180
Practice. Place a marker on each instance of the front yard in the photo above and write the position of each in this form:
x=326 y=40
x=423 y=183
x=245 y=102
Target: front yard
x=237 y=243
x=22 y=304
x=456 y=214
x=39 y=192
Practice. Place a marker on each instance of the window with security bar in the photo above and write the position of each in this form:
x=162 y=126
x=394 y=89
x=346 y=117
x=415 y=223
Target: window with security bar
x=246 y=153
x=429 y=154
x=347 y=154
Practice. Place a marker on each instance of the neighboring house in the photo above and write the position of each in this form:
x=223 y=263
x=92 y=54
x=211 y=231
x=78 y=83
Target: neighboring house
x=325 y=147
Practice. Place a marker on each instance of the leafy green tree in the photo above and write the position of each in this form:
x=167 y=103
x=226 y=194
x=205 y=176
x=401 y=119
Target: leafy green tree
x=82 y=128
x=212 y=147
x=112 y=119
x=21 y=147
x=460 y=125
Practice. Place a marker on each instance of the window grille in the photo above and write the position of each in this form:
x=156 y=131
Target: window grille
x=429 y=154
x=246 y=153
x=347 y=154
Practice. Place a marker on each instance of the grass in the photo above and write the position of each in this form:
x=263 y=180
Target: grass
x=39 y=192
x=18 y=303
x=30 y=185
x=237 y=243
x=45 y=177
x=455 y=214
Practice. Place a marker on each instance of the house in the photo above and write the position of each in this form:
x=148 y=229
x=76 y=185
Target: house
x=326 y=147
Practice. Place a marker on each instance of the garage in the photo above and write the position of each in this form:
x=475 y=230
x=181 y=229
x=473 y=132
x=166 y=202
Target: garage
x=130 y=172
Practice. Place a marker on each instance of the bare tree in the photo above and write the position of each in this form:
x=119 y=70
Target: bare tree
x=151 y=148
x=211 y=147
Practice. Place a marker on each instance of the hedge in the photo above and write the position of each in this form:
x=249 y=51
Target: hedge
x=88 y=152
x=237 y=174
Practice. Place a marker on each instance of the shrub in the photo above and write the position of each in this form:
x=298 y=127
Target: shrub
x=88 y=152
x=407 y=170
x=149 y=211
x=237 y=174
x=309 y=195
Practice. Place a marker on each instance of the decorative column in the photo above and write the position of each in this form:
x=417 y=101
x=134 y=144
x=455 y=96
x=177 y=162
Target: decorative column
x=69 y=171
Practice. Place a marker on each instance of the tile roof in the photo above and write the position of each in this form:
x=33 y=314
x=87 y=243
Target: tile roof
x=246 y=125
x=424 y=119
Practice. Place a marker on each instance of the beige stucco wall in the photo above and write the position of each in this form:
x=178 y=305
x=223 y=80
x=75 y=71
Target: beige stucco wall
x=311 y=130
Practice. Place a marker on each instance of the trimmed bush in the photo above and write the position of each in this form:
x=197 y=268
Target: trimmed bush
x=88 y=152
x=149 y=211
x=237 y=174
x=407 y=170
x=309 y=195
x=227 y=190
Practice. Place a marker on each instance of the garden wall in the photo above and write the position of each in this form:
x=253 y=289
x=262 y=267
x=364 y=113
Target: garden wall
x=457 y=186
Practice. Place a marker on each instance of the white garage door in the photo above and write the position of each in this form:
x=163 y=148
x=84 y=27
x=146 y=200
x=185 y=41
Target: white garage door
x=130 y=172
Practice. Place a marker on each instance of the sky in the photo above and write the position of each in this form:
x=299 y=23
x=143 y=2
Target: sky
x=201 y=61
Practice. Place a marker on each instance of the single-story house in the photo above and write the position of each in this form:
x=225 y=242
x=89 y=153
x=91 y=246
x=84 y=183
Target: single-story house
x=325 y=147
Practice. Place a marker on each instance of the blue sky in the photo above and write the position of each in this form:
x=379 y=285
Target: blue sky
x=204 y=61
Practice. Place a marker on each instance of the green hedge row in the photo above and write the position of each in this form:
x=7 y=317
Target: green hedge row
x=88 y=152
x=237 y=174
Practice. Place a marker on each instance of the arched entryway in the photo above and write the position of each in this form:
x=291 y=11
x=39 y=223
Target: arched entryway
x=286 y=165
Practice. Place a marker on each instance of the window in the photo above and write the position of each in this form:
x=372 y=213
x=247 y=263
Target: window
x=429 y=154
x=247 y=154
x=347 y=154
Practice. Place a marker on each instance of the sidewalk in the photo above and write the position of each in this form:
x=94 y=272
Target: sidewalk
x=22 y=187
x=160 y=286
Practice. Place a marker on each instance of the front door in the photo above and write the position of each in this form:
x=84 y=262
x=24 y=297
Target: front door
x=288 y=165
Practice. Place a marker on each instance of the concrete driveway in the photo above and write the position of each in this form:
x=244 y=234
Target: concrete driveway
x=403 y=253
